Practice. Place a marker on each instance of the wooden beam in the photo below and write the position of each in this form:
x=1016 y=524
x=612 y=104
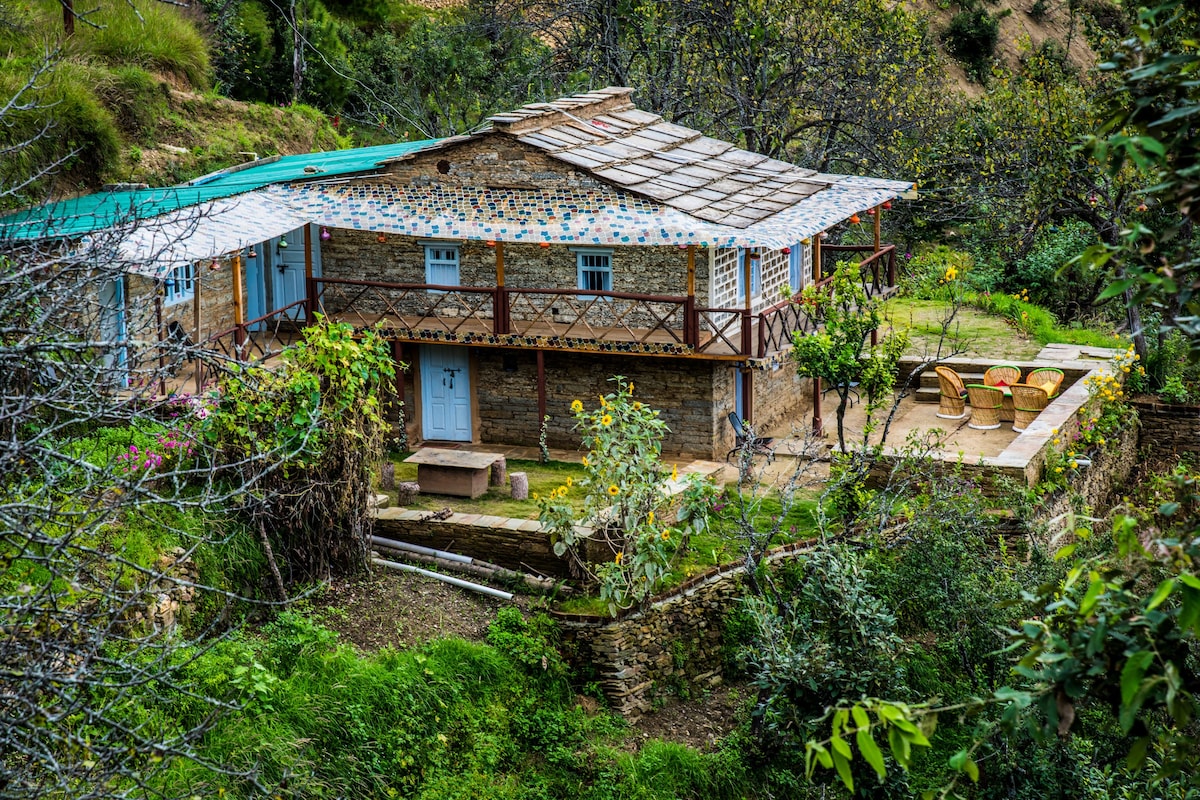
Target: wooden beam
x=309 y=304
x=748 y=395
x=816 y=256
x=818 y=426
x=878 y=214
x=197 y=321
x=500 y=264
x=691 y=278
x=746 y=277
x=162 y=355
x=239 y=314
x=541 y=387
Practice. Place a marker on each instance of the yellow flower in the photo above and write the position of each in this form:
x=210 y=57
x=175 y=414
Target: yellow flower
x=666 y=535
x=576 y=406
x=535 y=495
x=637 y=406
x=650 y=518
x=585 y=461
x=619 y=557
x=1074 y=464
x=1058 y=469
x=570 y=480
x=1057 y=440
x=613 y=489
x=603 y=402
x=1054 y=430
x=1101 y=441
x=675 y=472
x=631 y=387
x=606 y=420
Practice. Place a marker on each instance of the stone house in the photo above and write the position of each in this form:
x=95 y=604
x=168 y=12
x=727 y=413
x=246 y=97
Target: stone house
x=519 y=268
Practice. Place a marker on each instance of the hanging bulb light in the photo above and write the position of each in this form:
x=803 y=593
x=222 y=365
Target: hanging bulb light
x=887 y=205
x=253 y=253
x=870 y=212
x=326 y=235
x=214 y=266
x=490 y=242
x=381 y=238
x=543 y=245
x=283 y=243
x=854 y=220
x=787 y=251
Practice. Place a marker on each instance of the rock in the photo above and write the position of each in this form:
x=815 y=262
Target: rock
x=406 y=492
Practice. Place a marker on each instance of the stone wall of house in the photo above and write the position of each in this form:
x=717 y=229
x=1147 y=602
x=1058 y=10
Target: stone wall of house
x=1168 y=428
x=495 y=160
x=216 y=305
x=506 y=388
x=358 y=255
x=782 y=399
x=673 y=644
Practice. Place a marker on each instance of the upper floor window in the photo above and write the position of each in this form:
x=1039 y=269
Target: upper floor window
x=755 y=275
x=798 y=276
x=595 y=270
x=441 y=264
x=179 y=284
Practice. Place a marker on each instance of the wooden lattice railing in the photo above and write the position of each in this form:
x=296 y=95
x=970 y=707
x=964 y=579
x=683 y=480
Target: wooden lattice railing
x=415 y=310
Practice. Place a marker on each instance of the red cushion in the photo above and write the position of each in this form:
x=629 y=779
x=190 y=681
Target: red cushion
x=1000 y=384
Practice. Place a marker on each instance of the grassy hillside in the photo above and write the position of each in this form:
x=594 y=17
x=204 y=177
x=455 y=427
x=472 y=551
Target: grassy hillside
x=128 y=97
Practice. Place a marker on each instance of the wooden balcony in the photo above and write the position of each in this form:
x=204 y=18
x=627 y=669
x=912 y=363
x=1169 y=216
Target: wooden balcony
x=557 y=318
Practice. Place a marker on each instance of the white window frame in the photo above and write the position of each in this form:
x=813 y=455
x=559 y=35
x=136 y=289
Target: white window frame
x=432 y=262
x=179 y=285
x=605 y=270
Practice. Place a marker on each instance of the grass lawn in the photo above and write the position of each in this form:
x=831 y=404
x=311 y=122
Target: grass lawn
x=986 y=336
x=991 y=336
x=497 y=501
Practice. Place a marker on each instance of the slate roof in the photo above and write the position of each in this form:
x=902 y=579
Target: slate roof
x=602 y=133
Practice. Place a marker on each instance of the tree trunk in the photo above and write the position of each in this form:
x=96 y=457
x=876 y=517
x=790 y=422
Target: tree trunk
x=68 y=17
x=520 y=485
x=297 y=54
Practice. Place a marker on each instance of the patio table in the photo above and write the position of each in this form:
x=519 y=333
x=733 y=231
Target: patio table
x=461 y=473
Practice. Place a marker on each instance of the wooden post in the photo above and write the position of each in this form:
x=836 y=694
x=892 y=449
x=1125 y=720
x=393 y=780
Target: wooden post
x=398 y=359
x=309 y=300
x=818 y=426
x=746 y=272
x=500 y=312
x=162 y=356
x=691 y=320
x=748 y=394
x=197 y=318
x=878 y=214
x=541 y=387
x=239 y=316
x=816 y=270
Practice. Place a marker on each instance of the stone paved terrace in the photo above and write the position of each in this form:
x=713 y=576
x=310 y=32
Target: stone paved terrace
x=1001 y=451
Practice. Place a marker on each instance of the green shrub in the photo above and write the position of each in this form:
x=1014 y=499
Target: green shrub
x=1049 y=277
x=971 y=38
x=531 y=643
x=136 y=99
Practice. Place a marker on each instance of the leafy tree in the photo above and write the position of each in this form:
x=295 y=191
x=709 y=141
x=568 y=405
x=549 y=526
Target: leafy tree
x=837 y=352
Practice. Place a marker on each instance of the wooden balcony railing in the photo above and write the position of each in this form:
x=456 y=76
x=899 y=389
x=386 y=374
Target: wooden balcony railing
x=570 y=317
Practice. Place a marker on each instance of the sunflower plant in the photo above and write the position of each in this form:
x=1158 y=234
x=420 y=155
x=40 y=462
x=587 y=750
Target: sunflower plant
x=621 y=538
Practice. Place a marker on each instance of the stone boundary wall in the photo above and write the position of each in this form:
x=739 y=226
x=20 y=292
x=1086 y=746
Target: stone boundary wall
x=1094 y=486
x=675 y=640
x=1168 y=428
x=516 y=544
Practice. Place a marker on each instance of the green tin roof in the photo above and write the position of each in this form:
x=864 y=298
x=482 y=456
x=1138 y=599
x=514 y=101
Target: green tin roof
x=80 y=216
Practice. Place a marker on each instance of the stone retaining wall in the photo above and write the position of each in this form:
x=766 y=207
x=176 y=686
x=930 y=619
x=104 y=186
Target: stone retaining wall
x=516 y=544
x=1168 y=428
x=675 y=641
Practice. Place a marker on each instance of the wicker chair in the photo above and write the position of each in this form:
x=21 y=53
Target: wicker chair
x=986 y=402
x=1048 y=379
x=1028 y=402
x=1002 y=375
x=953 y=394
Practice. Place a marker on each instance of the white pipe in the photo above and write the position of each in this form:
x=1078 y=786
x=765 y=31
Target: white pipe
x=474 y=587
x=416 y=548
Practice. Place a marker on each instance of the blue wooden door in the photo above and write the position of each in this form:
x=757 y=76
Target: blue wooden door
x=256 y=287
x=287 y=275
x=445 y=394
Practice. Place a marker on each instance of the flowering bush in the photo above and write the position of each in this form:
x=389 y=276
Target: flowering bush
x=1104 y=416
x=620 y=537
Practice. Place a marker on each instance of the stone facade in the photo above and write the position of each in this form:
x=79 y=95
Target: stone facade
x=1168 y=428
x=681 y=389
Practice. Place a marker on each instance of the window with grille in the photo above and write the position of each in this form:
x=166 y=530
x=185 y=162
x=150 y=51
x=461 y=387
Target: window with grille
x=179 y=285
x=595 y=270
x=441 y=265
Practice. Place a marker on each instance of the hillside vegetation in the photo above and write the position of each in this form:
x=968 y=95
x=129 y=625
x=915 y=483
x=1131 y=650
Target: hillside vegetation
x=130 y=97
